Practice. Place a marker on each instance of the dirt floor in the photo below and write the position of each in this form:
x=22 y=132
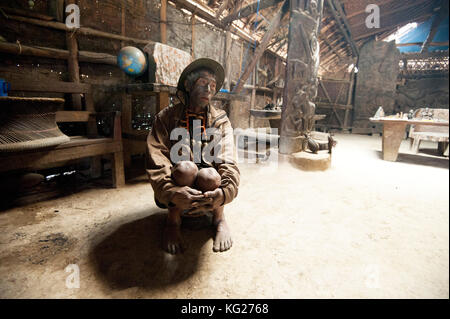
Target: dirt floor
x=365 y=228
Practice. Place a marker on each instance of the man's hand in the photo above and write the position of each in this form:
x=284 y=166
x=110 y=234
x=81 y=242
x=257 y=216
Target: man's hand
x=213 y=199
x=217 y=197
x=186 y=198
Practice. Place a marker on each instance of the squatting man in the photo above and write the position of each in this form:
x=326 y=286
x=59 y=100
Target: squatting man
x=196 y=173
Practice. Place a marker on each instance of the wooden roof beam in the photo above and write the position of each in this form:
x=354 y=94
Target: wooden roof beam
x=222 y=7
x=338 y=14
x=205 y=14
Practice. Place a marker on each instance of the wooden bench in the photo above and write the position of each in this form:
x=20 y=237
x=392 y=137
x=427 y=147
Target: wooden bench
x=439 y=134
x=78 y=147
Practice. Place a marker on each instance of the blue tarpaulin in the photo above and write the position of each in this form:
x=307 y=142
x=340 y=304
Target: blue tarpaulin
x=421 y=33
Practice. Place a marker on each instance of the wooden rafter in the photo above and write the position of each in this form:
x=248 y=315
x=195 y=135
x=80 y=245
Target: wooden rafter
x=222 y=7
x=248 y=10
x=339 y=15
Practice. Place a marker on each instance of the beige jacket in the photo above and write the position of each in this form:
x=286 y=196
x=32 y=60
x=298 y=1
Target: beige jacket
x=158 y=163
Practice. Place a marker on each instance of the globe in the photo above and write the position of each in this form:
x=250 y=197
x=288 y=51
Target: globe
x=132 y=61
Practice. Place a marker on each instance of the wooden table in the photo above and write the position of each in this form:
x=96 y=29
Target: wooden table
x=393 y=132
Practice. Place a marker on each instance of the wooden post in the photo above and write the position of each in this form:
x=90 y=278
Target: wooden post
x=349 y=98
x=117 y=167
x=162 y=101
x=126 y=113
x=193 y=36
x=74 y=69
x=228 y=43
x=253 y=99
x=163 y=21
x=297 y=118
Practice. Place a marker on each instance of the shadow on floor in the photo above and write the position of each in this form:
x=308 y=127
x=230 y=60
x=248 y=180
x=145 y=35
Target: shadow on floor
x=418 y=159
x=132 y=256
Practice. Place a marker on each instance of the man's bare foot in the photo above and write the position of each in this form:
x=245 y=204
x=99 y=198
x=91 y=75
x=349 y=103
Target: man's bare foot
x=222 y=241
x=172 y=241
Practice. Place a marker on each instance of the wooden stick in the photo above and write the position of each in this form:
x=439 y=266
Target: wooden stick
x=431 y=44
x=82 y=30
x=27 y=13
x=84 y=56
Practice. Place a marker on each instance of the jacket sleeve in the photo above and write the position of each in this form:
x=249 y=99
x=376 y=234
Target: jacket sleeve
x=158 y=164
x=227 y=168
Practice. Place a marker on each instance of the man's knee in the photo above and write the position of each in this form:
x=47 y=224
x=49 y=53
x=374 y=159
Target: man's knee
x=208 y=179
x=184 y=173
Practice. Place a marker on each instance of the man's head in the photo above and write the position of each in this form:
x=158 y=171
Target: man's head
x=201 y=80
x=201 y=87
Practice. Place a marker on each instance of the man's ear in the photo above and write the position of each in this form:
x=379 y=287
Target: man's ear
x=186 y=86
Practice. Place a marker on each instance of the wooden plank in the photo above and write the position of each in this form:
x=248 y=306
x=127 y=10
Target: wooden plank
x=51 y=53
x=431 y=44
x=72 y=116
x=83 y=30
x=31 y=159
x=26 y=13
x=52 y=87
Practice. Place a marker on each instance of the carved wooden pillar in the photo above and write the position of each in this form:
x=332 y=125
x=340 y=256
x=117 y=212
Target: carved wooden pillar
x=301 y=75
